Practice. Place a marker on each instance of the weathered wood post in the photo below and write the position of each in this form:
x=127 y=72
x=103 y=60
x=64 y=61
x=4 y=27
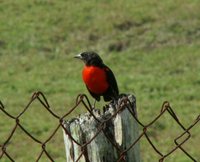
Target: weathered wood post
x=107 y=138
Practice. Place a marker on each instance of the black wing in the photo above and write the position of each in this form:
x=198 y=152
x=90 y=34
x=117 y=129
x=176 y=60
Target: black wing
x=113 y=91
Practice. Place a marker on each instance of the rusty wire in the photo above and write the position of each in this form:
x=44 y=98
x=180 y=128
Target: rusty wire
x=83 y=99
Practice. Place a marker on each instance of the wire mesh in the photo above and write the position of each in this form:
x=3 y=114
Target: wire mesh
x=83 y=99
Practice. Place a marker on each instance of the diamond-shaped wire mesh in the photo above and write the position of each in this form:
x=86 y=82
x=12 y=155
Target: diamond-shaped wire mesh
x=82 y=99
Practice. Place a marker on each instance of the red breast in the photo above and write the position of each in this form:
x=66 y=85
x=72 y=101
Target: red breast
x=95 y=79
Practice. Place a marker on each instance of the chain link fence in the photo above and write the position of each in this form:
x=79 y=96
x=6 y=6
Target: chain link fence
x=83 y=100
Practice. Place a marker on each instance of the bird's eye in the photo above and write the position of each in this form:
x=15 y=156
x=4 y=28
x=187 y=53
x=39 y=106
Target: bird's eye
x=83 y=54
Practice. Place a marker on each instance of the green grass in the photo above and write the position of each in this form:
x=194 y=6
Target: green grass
x=152 y=47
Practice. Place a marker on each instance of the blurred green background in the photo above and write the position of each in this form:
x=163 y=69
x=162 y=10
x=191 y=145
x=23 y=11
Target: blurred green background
x=153 y=47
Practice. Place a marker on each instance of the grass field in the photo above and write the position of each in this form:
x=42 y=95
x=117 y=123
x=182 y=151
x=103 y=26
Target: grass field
x=153 y=47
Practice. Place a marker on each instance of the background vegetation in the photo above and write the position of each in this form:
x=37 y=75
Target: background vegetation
x=152 y=47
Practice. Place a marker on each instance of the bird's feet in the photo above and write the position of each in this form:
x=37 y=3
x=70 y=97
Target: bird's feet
x=93 y=106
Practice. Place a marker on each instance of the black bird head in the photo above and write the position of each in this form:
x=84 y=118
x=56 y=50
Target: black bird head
x=90 y=58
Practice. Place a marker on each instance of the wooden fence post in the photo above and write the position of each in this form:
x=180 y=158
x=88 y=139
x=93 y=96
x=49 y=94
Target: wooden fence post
x=104 y=142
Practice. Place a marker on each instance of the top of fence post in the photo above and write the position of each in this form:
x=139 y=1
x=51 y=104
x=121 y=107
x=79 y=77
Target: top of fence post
x=110 y=136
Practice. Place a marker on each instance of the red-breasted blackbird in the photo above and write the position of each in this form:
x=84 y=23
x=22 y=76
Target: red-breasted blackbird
x=99 y=79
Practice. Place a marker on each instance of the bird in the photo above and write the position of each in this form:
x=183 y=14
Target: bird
x=98 y=78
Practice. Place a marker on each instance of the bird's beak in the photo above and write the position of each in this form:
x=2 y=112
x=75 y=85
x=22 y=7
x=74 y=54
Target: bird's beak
x=78 y=56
